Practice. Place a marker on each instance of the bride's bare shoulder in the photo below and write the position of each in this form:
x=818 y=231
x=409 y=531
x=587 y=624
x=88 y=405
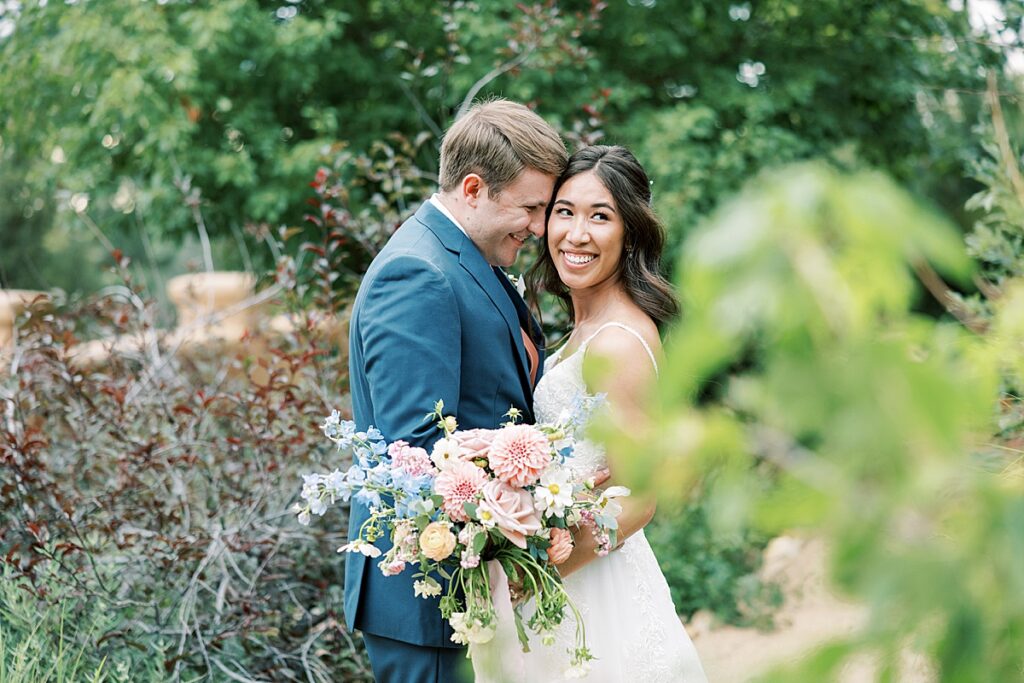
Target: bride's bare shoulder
x=626 y=344
x=622 y=362
x=624 y=334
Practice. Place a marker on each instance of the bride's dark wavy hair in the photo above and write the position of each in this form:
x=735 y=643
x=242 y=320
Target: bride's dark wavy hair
x=643 y=242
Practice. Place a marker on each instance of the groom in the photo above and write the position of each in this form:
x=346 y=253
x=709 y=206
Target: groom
x=436 y=318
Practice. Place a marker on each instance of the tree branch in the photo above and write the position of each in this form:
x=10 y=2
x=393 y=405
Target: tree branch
x=427 y=119
x=943 y=293
x=519 y=60
x=1007 y=156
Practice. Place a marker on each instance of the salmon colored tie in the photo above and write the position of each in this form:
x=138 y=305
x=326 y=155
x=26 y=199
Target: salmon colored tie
x=531 y=353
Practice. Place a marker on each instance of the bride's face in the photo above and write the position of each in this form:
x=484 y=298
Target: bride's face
x=585 y=233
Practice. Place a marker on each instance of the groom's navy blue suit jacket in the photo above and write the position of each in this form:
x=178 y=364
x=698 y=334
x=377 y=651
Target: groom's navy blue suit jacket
x=432 y=320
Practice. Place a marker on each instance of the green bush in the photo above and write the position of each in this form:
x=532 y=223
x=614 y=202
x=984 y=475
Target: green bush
x=878 y=420
x=62 y=643
x=709 y=569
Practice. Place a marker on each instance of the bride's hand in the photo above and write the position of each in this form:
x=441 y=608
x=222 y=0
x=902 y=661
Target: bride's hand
x=599 y=478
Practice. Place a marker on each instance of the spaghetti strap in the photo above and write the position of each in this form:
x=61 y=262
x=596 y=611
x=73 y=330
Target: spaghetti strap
x=627 y=328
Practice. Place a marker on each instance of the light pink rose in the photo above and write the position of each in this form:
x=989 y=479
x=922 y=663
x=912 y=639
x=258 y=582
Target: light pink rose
x=476 y=443
x=561 y=546
x=519 y=454
x=513 y=510
x=459 y=484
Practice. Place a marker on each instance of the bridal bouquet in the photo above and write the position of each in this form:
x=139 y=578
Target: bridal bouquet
x=480 y=495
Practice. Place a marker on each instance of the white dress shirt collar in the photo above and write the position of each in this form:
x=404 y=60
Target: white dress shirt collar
x=435 y=199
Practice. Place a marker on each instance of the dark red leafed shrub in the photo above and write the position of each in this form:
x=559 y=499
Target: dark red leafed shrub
x=160 y=483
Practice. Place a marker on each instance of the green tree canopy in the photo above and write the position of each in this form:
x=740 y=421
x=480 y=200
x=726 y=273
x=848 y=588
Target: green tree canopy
x=144 y=112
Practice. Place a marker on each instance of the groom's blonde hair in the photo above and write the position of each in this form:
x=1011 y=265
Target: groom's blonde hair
x=498 y=140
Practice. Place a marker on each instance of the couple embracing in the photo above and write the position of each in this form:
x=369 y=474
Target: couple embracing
x=436 y=317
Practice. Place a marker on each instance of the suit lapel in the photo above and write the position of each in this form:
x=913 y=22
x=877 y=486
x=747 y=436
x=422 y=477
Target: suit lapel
x=473 y=262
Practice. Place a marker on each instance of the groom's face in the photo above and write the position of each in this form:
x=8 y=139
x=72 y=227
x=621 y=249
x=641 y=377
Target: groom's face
x=499 y=226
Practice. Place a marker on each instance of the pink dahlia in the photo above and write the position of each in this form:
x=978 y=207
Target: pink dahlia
x=519 y=454
x=459 y=484
x=413 y=460
x=475 y=442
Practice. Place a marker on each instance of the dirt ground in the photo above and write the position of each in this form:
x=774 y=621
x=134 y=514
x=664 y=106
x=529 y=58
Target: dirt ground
x=811 y=615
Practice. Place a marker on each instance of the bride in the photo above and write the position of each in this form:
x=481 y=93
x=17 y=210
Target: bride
x=601 y=257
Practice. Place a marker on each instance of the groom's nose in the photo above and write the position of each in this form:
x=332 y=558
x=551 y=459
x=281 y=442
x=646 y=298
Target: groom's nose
x=536 y=226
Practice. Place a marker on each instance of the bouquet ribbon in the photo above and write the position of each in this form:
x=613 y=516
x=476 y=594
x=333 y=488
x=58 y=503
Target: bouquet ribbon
x=500 y=659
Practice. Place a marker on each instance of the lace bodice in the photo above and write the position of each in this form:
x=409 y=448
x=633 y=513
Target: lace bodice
x=562 y=388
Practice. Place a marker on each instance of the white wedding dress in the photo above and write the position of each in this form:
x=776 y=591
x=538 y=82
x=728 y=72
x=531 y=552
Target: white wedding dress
x=631 y=624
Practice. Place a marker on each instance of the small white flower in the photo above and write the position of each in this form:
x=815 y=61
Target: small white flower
x=578 y=671
x=465 y=631
x=426 y=588
x=318 y=507
x=423 y=506
x=519 y=282
x=470 y=559
x=334 y=482
x=304 y=517
x=445 y=452
x=607 y=503
x=554 y=492
x=310 y=486
x=458 y=637
x=360 y=546
x=486 y=516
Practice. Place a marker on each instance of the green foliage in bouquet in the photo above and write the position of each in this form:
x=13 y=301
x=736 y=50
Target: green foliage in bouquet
x=798 y=299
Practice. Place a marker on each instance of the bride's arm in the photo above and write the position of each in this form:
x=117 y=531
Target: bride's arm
x=624 y=372
x=636 y=513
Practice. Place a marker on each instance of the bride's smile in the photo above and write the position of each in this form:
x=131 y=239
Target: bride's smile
x=585 y=230
x=577 y=259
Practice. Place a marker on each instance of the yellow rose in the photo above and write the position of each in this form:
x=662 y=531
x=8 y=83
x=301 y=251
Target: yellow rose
x=437 y=541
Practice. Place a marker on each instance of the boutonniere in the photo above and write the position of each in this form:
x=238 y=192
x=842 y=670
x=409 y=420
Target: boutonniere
x=518 y=282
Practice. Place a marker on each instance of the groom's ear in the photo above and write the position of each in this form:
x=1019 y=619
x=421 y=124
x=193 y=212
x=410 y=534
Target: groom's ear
x=473 y=189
